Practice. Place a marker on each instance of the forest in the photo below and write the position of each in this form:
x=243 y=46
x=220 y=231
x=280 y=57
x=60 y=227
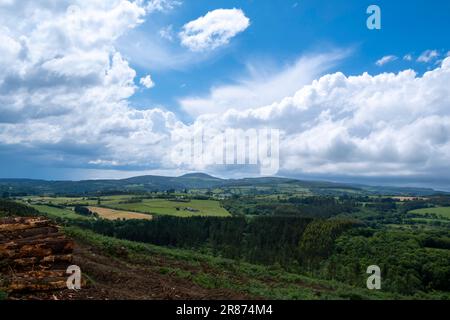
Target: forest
x=287 y=241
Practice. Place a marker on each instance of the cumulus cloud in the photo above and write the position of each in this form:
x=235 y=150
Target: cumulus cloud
x=213 y=30
x=64 y=88
x=428 y=56
x=385 y=60
x=373 y=126
x=262 y=85
x=147 y=82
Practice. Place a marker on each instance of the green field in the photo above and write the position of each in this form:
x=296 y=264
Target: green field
x=187 y=208
x=53 y=212
x=428 y=220
x=166 y=207
x=70 y=201
x=440 y=211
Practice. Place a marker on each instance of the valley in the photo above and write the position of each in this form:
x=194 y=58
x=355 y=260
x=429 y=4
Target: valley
x=262 y=238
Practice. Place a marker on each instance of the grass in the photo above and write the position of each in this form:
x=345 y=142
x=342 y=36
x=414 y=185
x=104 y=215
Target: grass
x=440 y=211
x=106 y=213
x=66 y=201
x=430 y=220
x=119 y=202
x=215 y=272
x=166 y=207
x=58 y=200
x=57 y=213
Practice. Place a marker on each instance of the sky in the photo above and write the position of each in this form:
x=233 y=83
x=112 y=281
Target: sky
x=107 y=89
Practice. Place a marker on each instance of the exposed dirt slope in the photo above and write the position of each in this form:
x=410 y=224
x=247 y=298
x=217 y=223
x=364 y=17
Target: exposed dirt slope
x=115 y=278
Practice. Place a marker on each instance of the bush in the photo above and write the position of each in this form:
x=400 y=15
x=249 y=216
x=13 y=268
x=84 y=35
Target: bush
x=84 y=211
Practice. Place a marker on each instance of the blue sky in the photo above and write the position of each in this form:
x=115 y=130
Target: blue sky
x=281 y=31
x=108 y=89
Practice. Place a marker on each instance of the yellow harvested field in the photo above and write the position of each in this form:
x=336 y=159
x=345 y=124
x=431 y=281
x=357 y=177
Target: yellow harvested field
x=111 y=214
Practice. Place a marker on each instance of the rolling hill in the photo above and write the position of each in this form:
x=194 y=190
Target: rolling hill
x=149 y=183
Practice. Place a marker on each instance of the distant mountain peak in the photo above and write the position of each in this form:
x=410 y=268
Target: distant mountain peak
x=199 y=175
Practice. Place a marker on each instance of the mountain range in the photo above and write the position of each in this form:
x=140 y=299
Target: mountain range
x=148 y=183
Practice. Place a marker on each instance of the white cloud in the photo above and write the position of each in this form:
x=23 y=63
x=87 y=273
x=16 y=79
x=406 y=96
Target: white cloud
x=167 y=33
x=213 y=30
x=385 y=60
x=147 y=51
x=6 y=2
x=107 y=163
x=428 y=56
x=147 y=82
x=408 y=57
x=161 y=5
x=262 y=86
x=373 y=126
x=64 y=88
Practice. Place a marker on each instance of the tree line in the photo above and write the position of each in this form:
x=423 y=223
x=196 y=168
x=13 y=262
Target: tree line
x=265 y=240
